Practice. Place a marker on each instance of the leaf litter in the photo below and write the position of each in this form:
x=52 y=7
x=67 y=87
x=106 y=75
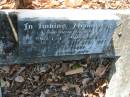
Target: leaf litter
x=84 y=78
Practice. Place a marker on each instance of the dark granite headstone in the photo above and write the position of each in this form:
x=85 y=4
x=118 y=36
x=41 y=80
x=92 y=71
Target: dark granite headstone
x=50 y=34
x=8 y=45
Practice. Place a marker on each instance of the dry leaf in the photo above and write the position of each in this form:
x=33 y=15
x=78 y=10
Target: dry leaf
x=78 y=90
x=36 y=78
x=20 y=70
x=65 y=88
x=23 y=3
x=86 y=6
x=55 y=3
x=2 y=2
x=75 y=71
x=85 y=65
x=64 y=68
x=101 y=94
x=85 y=81
x=102 y=1
x=21 y=95
x=85 y=94
x=101 y=70
x=73 y=3
x=90 y=95
x=19 y=79
x=4 y=83
x=42 y=94
x=94 y=0
x=47 y=91
x=25 y=91
x=6 y=69
x=105 y=84
x=8 y=6
x=42 y=69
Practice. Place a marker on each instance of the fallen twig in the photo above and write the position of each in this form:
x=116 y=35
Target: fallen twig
x=12 y=27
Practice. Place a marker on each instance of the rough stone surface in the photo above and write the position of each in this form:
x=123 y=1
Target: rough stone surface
x=120 y=74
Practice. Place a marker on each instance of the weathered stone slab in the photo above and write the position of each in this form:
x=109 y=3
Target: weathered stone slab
x=119 y=85
x=59 y=33
x=74 y=36
x=8 y=45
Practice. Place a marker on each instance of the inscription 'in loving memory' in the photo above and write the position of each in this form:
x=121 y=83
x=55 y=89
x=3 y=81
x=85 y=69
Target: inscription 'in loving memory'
x=81 y=26
x=57 y=38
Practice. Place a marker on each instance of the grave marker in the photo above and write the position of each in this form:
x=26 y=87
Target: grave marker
x=61 y=33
